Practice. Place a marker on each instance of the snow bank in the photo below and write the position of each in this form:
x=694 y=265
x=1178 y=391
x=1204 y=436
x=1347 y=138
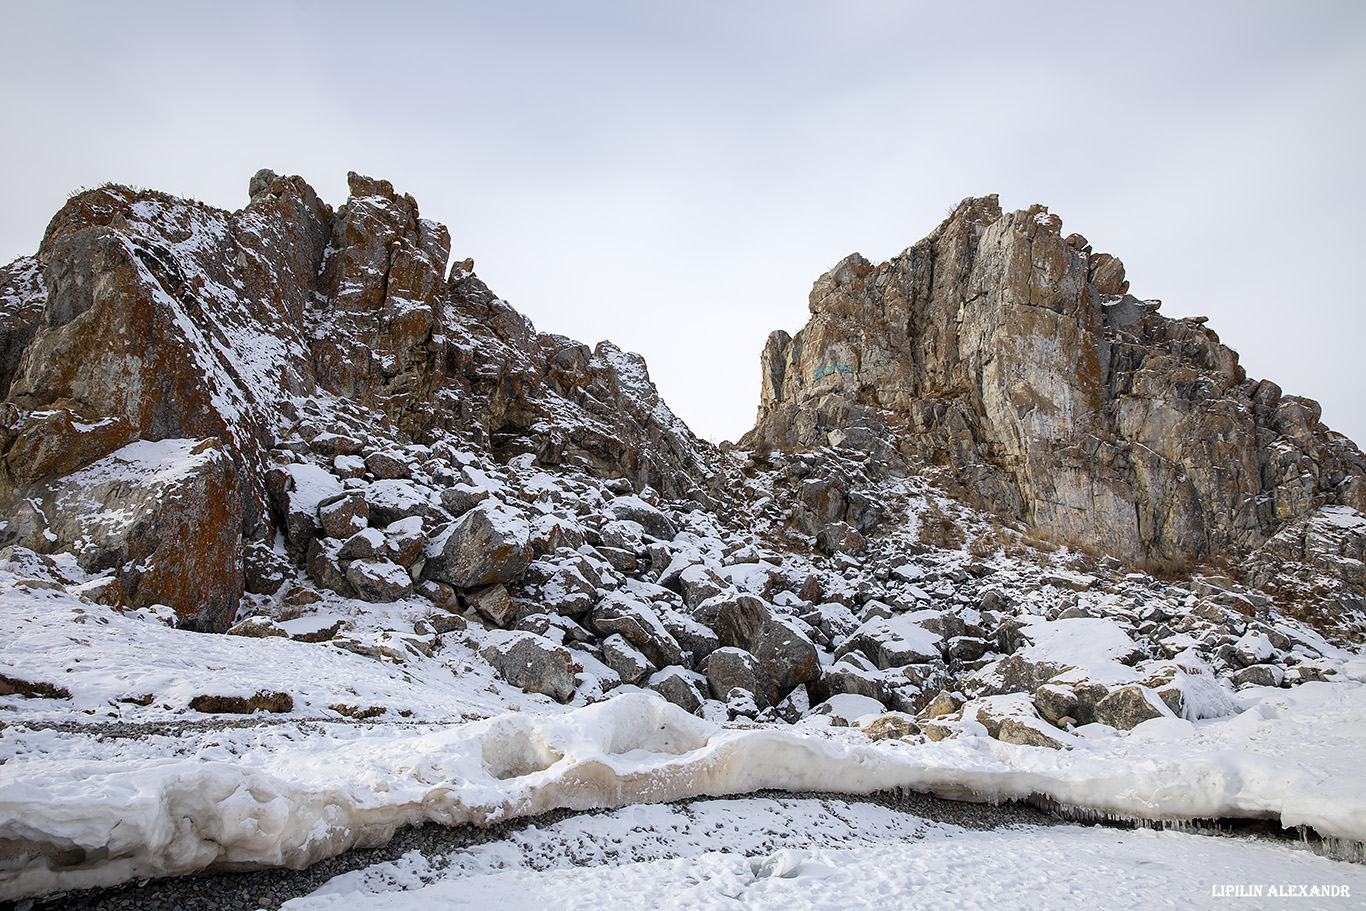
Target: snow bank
x=77 y=811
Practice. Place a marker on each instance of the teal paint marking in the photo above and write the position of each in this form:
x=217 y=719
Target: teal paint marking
x=823 y=372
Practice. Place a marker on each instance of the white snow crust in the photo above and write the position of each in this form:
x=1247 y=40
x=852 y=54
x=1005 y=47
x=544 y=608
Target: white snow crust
x=825 y=854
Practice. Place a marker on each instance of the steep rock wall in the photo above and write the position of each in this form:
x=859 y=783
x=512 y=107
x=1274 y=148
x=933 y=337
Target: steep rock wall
x=1013 y=354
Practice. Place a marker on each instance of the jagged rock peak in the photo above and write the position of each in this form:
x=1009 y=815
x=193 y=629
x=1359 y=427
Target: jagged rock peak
x=1013 y=355
x=144 y=317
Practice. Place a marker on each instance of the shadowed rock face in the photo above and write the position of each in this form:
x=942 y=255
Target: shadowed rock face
x=147 y=317
x=1013 y=355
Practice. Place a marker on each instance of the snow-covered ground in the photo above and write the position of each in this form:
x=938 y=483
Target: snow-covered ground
x=103 y=809
x=794 y=854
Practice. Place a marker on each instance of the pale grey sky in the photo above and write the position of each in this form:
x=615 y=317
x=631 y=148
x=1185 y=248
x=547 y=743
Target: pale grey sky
x=674 y=176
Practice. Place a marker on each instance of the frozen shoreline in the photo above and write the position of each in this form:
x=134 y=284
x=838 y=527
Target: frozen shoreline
x=88 y=812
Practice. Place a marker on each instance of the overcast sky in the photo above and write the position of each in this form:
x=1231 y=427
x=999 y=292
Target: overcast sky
x=673 y=176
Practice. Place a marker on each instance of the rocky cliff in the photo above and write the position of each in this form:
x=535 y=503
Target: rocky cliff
x=144 y=317
x=1013 y=356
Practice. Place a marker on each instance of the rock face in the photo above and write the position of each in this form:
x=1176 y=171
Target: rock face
x=1013 y=355
x=147 y=317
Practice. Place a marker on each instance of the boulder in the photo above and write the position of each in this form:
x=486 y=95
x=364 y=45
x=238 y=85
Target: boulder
x=1014 y=730
x=392 y=500
x=840 y=538
x=639 y=624
x=405 y=540
x=698 y=583
x=847 y=676
x=820 y=503
x=786 y=653
x=1254 y=648
x=330 y=445
x=626 y=660
x=261 y=701
x=494 y=602
x=1055 y=704
x=264 y=569
x=324 y=566
x=1012 y=674
x=366 y=543
x=1306 y=673
x=894 y=726
x=388 y=465
x=967 y=648
x=624 y=535
x=847 y=709
x=1129 y=706
x=894 y=642
x=532 y=662
x=728 y=669
x=344 y=515
x=623 y=561
x=550 y=533
x=296 y=491
x=634 y=509
x=32 y=689
x=348 y=467
x=489 y=544
x=693 y=637
x=100 y=590
x=258 y=628
x=736 y=619
x=57 y=442
x=461 y=498
x=1259 y=675
x=567 y=588
x=28 y=564
x=941 y=706
x=165 y=517
x=684 y=688
x=379 y=581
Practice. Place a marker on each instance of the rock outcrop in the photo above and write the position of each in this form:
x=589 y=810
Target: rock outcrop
x=147 y=317
x=1012 y=355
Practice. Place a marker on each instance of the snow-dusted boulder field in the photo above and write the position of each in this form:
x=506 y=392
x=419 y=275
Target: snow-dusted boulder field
x=306 y=539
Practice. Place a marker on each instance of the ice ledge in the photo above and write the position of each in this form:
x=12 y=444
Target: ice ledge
x=119 y=811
